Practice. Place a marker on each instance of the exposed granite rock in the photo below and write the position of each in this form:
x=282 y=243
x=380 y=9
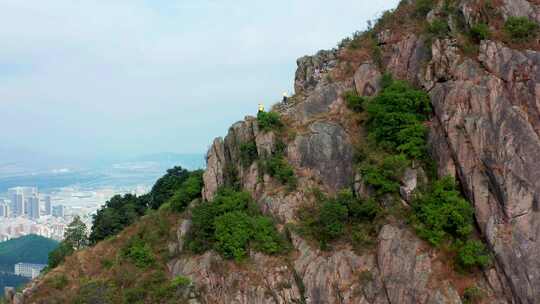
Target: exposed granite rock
x=327 y=150
x=488 y=115
x=521 y=8
x=9 y=293
x=215 y=169
x=404 y=274
x=367 y=79
x=404 y=57
x=312 y=69
x=263 y=280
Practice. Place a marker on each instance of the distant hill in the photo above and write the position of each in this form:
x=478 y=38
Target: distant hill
x=27 y=249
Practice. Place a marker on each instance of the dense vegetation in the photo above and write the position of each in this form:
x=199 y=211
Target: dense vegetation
x=331 y=217
x=174 y=191
x=440 y=215
x=396 y=140
x=521 y=29
x=268 y=121
x=75 y=238
x=396 y=116
x=232 y=224
x=117 y=213
x=26 y=249
x=178 y=187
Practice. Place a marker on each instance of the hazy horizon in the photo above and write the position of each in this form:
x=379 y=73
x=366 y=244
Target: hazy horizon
x=113 y=79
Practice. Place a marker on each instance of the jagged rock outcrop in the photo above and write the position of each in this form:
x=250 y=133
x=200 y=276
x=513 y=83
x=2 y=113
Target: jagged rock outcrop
x=487 y=115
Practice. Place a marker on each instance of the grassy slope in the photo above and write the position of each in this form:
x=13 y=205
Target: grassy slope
x=103 y=272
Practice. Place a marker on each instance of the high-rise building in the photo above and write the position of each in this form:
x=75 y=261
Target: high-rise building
x=32 y=204
x=18 y=196
x=48 y=205
x=4 y=210
x=58 y=211
x=19 y=204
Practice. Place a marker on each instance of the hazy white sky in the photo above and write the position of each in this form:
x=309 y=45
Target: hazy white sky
x=106 y=78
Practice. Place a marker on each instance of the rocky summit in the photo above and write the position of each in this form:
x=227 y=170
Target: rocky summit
x=481 y=75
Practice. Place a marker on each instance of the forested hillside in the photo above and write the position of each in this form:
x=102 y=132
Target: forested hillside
x=26 y=249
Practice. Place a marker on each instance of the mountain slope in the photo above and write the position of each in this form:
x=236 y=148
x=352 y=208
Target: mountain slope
x=342 y=170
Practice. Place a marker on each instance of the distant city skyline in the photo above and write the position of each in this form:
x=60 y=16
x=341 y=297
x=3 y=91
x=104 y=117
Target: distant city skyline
x=150 y=76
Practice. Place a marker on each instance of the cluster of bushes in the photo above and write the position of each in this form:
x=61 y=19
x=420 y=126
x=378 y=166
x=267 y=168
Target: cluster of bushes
x=178 y=187
x=248 y=153
x=231 y=224
x=279 y=168
x=438 y=28
x=269 y=121
x=479 y=32
x=396 y=116
x=138 y=252
x=384 y=174
x=189 y=190
x=332 y=216
x=440 y=214
x=521 y=29
x=355 y=102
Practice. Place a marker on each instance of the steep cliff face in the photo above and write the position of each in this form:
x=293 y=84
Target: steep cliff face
x=485 y=131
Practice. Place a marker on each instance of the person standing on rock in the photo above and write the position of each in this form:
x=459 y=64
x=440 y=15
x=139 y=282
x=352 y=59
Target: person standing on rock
x=261 y=108
x=285 y=96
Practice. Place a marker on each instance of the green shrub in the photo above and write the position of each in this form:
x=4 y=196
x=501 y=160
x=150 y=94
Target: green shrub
x=521 y=29
x=329 y=219
x=231 y=224
x=422 y=7
x=385 y=175
x=278 y=167
x=479 y=32
x=358 y=210
x=332 y=218
x=58 y=255
x=248 y=153
x=138 y=252
x=473 y=295
x=386 y=80
x=189 y=190
x=438 y=28
x=269 y=121
x=233 y=232
x=266 y=238
x=201 y=234
x=354 y=102
x=472 y=254
x=180 y=282
x=395 y=118
x=441 y=213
